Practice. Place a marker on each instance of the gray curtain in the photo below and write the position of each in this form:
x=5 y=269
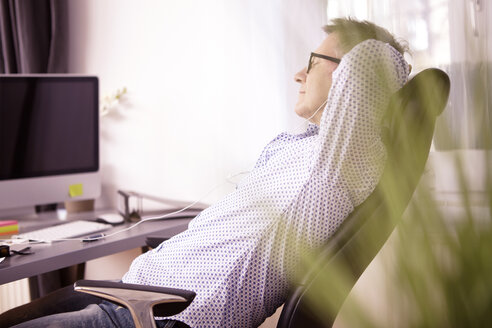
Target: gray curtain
x=33 y=36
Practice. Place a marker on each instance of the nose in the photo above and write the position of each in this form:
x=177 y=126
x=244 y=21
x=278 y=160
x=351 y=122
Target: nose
x=300 y=76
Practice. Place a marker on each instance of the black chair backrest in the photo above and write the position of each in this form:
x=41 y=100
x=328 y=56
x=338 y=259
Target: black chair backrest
x=407 y=133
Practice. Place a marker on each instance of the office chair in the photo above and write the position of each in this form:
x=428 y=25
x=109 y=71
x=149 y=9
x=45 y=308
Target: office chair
x=408 y=128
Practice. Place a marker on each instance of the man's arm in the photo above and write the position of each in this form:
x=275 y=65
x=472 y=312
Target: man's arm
x=350 y=154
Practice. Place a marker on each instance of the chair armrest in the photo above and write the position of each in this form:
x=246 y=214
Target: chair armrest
x=143 y=302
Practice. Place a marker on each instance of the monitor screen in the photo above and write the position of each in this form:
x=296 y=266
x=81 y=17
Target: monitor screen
x=49 y=139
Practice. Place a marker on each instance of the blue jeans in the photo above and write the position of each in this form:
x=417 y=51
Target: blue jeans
x=103 y=315
x=66 y=308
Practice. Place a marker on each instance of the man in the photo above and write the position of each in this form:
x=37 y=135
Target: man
x=241 y=254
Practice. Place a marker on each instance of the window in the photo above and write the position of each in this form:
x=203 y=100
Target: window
x=448 y=34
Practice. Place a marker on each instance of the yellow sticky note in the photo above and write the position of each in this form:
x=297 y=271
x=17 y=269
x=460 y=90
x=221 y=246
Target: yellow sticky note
x=76 y=190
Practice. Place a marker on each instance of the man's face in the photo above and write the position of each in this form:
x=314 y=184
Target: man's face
x=316 y=84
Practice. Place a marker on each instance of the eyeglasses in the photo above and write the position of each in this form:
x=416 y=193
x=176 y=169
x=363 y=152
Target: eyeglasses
x=313 y=54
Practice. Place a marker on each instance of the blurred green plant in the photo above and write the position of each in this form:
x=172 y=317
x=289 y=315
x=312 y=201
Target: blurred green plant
x=440 y=268
x=444 y=267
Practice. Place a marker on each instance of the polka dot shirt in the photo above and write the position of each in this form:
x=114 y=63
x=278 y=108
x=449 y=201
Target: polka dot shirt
x=240 y=254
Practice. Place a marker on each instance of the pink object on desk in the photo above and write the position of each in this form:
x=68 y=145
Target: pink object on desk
x=7 y=223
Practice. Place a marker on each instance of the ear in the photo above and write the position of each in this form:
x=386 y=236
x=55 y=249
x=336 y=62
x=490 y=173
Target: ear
x=409 y=69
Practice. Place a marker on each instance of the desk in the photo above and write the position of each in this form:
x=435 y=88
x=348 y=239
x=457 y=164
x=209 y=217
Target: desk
x=49 y=257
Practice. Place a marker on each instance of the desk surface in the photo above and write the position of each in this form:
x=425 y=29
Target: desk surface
x=57 y=255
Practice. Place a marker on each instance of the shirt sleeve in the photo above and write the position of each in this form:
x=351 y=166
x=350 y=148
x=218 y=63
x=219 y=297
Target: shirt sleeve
x=350 y=155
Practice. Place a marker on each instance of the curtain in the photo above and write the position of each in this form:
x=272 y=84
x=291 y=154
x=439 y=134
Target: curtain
x=467 y=119
x=33 y=36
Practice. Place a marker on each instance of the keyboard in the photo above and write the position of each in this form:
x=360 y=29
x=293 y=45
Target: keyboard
x=63 y=231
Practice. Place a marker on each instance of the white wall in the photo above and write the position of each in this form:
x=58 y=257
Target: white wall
x=209 y=84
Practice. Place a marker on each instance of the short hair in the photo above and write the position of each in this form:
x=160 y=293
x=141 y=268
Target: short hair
x=351 y=32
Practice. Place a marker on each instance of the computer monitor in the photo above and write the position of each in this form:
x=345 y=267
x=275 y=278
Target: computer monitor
x=49 y=139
